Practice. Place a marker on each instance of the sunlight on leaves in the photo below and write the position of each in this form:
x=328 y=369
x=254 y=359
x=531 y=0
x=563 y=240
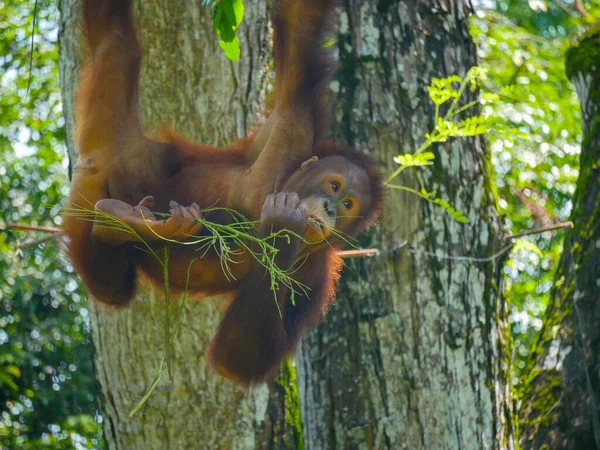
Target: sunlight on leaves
x=227 y=17
x=441 y=91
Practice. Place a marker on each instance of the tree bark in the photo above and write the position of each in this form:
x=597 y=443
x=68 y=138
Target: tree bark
x=561 y=401
x=413 y=355
x=186 y=82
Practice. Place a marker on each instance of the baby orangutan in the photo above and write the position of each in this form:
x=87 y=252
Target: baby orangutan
x=286 y=176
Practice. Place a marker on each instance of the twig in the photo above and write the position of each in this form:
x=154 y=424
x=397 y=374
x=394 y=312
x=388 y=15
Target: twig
x=541 y=215
x=522 y=34
x=541 y=230
x=376 y=252
x=15 y=226
x=37 y=242
x=358 y=253
x=565 y=8
x=580 y=8
x=472 y=259
x=35 y=6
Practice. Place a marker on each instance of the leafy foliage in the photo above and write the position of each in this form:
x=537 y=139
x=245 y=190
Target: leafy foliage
x=47 y=389
x=227 y=17
x=441 y=91
x=522 y=45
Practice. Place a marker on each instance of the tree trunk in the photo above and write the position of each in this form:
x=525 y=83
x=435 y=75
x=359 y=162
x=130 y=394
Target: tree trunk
x=413 y=355
x=185 y=82
x=561 y=404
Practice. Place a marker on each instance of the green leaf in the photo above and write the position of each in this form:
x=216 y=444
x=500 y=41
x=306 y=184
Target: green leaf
x=440 y=96
x=226 y=32
x=514 y=92
x=13 y=370
x=217 y=20
x=476 y=75
x=427 y=195
x=228 y=14
x=472 y=126
x=529 y=246
x=410 y=160
x=490 y=97
x=443 y=83
x=441 y=90
x=5 y=380
x=231 y=49
x=227 y=17
x=454 y=213
x=443 y=130
x=235 y=13
x=328 y=43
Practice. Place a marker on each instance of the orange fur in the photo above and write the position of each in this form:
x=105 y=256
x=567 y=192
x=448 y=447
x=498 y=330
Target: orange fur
x=117 y=161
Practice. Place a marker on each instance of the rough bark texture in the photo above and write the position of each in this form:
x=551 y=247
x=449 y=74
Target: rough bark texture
x=561 y=405
x=187 y=83
x=413 y=354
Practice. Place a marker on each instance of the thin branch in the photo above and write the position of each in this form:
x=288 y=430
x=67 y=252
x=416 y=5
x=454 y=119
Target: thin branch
x=359 y=253
x=376 y=252
x=580 y=8
x=15 y=226
x=35 y=7
x=523 y=35
x=541 y=230
x=57 y=232
x=37 y=242
x=463 y=258
x=565 y=8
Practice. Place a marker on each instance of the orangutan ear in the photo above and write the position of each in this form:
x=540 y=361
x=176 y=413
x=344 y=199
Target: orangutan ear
x=308 y=162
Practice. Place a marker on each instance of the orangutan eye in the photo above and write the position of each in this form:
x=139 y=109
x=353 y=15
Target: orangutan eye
x=335 y=186
x=347 y=204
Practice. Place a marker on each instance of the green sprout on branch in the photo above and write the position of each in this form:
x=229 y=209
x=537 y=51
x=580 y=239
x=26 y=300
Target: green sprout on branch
x=441 y=91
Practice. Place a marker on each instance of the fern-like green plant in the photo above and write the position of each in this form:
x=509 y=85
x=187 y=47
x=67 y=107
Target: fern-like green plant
x=441 y=91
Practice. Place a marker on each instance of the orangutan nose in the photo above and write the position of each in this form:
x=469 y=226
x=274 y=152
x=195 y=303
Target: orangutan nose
x=328 y=208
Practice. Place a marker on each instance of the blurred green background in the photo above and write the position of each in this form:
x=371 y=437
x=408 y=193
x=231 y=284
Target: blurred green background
x=48 y=395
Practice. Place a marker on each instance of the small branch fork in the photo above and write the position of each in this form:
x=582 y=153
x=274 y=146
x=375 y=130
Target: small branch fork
x=346 y=254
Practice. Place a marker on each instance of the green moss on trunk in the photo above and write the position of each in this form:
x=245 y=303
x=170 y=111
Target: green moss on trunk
x=560 y=403
x=291 y=402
